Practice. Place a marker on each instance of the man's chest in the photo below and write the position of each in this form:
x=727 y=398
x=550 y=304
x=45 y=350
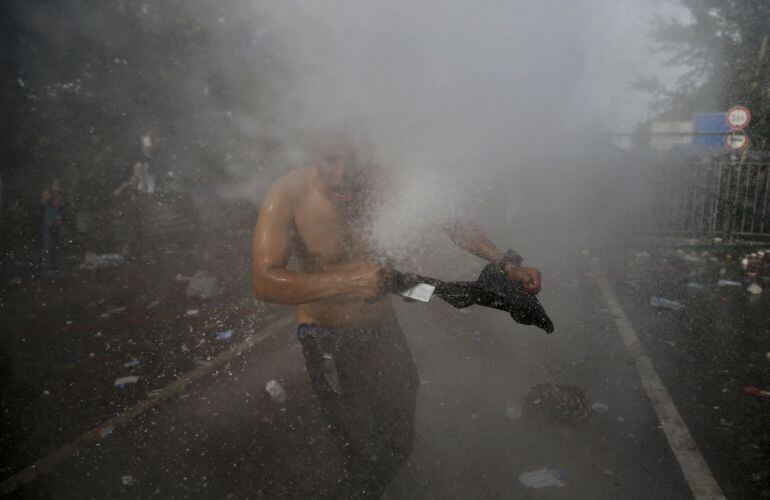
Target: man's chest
x=327 y=234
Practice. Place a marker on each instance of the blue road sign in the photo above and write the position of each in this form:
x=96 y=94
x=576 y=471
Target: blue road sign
x=709 y=129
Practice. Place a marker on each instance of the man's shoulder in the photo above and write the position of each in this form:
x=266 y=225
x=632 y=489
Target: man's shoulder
x=295 y=183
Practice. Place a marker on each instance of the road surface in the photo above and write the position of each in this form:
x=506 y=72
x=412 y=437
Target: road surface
x=479 y=426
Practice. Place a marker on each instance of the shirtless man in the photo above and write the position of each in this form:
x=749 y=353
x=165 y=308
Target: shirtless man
x=356 y=355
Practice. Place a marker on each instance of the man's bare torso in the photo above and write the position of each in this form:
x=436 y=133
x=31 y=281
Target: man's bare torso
x=329 y=236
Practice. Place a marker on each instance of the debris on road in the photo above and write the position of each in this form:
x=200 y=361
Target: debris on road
x=226 y=335
x=600 y=408
x=542 y=478
x=756 y=391
x=276 y=391
x=661 y=303
x=691 y=257
x=122 y=381
x=114 y=310
x=106 y=431
x=204 y=286
x=754 y=289
x=633 y=284
x=155 y=393
x=192 y=312
x=728 y=283
x=133 y=363
x=127 y=480
x=94 y=261
x=567 y=404
x=695 y=286
x=513 y=412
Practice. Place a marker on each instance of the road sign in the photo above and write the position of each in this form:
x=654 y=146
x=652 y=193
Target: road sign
x=737 y=141
x=709 y=129
x=738 y=117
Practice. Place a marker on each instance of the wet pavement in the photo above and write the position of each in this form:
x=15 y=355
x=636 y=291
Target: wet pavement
x=707 y=354
x=480 y=424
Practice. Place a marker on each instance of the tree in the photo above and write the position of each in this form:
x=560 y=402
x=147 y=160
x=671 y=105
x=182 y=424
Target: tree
x=88 y=78
x=82 y=80
x=725 y=47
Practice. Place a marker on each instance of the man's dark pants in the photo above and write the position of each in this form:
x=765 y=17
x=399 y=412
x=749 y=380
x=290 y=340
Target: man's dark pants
x=367 y=383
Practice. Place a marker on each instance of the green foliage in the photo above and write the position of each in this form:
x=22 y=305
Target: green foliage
x=89 y=78
x=722 y=47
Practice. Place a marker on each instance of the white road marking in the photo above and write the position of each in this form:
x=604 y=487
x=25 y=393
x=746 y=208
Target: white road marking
x=49 y=462
x=694 y=467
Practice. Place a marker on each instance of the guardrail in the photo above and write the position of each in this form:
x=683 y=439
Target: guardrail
x=709 y=198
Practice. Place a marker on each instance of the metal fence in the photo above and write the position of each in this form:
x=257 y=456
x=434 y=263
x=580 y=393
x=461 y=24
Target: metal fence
x=706 y=198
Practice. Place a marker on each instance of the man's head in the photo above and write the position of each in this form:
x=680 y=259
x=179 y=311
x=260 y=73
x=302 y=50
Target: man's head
x=339 y=166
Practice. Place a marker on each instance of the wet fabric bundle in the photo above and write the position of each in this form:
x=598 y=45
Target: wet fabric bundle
x=492 y=289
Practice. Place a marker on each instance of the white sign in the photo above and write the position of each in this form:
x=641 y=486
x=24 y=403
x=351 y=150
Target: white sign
x=738 y=117
x=737 y=141
x=421 y=292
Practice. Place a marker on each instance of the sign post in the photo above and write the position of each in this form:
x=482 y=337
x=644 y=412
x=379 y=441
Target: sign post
x=738 y=117
x=736 y=141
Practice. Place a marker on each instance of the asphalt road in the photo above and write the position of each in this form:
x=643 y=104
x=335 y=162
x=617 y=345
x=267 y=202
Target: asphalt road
x=707 y=354
x=480 y=425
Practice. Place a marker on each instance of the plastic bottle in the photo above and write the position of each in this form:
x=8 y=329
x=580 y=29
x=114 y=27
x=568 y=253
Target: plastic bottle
x=662 y=303
x=276 y=391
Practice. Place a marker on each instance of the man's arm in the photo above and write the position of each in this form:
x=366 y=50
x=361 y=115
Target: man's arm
x=473 y=240
x=273 y=282
x=470 y=238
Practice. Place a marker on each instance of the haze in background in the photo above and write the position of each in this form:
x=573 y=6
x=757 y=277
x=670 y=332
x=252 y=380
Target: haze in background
x=471 y=105
x=486 y=110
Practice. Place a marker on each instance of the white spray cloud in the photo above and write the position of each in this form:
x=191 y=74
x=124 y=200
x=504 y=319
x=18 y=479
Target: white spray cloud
x=461 y=98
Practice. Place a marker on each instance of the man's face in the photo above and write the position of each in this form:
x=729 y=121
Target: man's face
x=343 y=177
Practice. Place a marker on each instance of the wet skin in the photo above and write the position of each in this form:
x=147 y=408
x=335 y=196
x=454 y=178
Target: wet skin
x=313 y=214
x=329 y=236
x=316 y=215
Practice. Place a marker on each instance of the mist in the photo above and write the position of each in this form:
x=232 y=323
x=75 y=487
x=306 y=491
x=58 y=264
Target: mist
x=467 y=105
x=460 y=103
x=167 y=335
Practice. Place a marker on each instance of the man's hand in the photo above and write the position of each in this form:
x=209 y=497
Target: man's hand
x=528 y=276
x=366 y=279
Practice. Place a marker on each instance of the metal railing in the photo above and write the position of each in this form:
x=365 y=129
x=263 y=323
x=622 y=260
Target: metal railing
x=707 y=198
